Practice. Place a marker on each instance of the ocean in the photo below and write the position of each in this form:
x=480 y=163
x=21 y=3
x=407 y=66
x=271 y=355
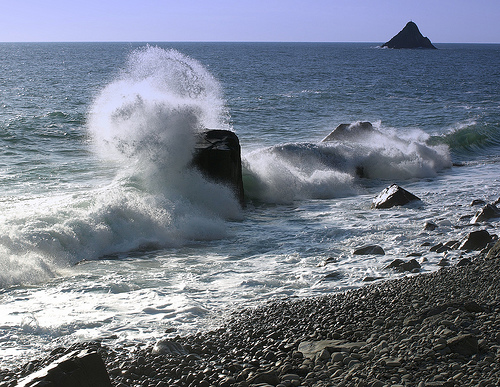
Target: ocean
x=107 y=233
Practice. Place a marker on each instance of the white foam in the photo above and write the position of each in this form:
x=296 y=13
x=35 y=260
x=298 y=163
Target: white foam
x=145 y=123
x=289 y=172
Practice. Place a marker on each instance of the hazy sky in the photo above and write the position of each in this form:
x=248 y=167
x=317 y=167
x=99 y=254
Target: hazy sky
x=442 y=21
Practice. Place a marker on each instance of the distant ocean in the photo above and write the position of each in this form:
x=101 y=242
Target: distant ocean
x=106 y=233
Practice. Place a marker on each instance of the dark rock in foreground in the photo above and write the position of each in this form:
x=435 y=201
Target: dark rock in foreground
x=76 y=369
x=435 y=329
x=218 y=156
x=392 y=196
x=409 y=37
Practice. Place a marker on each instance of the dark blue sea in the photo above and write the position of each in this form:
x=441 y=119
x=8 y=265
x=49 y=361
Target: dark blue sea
x=106 y=232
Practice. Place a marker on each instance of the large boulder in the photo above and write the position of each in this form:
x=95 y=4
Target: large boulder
x=392 y=196
x=77 y=369
x=218 y=156
x=345 y=132
x=409 y=37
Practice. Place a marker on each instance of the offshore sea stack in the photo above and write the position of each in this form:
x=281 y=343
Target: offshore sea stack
x=218 y=156
x=409 y=37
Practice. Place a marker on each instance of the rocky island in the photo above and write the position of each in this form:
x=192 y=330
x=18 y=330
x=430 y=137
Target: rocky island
x=409 y=37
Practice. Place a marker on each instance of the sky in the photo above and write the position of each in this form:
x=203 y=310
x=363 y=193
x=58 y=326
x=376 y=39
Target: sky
x=442 y=21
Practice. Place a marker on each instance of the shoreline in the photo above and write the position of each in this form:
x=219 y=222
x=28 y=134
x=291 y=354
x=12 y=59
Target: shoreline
x=432 y=329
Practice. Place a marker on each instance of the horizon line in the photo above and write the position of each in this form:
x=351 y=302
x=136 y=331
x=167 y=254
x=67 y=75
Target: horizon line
x=219 y=41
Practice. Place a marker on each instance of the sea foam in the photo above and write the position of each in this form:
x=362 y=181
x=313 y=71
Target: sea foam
x=143 y=124
x=295 y=171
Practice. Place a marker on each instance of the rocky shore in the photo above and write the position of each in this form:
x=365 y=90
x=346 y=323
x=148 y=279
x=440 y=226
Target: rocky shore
x=437 y=329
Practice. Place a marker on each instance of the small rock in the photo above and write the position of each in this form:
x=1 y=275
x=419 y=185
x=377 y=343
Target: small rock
x=334 y=276
x=494 y=251
x=265 y=378
x=464 y=262
x=169 y=347
x=371 y=249
x=430 y=226
x=392 y=196
x=403 y=266
x=464 y=344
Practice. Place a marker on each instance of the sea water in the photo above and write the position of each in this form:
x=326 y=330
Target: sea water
x=107 y=233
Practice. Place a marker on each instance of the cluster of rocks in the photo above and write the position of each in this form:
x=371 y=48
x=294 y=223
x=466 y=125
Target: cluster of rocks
x=436 y=329
x=433 y=329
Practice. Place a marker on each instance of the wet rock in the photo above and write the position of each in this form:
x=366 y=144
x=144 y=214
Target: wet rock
x=76 y=369
x=490 y=211
x=218 y=156
x=270 y=378
x=464 y=262
x=477 y=202
x=393 y=196
x=334 y=276
x=369 y=250
x=169 y=347
x=494 y=251
x=402 y=266
x=409 y=37
x=466 y=345
x=430 y=226
x=311 y=348
x=476 y=240
x=345 y=132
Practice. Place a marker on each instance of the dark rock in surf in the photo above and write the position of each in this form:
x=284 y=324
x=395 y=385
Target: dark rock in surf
x=349 y=131
x=369 y=250
x=409 y=37
x=402 y=266
x=430 y=226
x=490 y=211
x=476 y=240
x=393 y=196
x=77 y=369
x=218 y=156
x=494 y=251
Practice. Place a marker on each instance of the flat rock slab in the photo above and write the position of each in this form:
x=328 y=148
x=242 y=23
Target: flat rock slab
x=311 y=348
x=77 y=369
x=466 y=345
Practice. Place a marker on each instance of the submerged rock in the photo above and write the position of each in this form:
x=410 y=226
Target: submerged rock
x=409 y=37
x=218 y=156
x=392 y=196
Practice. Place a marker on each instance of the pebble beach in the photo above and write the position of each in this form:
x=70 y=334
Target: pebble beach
x=434 y=329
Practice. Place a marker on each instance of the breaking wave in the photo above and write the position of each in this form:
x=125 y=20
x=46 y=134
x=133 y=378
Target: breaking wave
x=143 y=126
x=330 y=169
